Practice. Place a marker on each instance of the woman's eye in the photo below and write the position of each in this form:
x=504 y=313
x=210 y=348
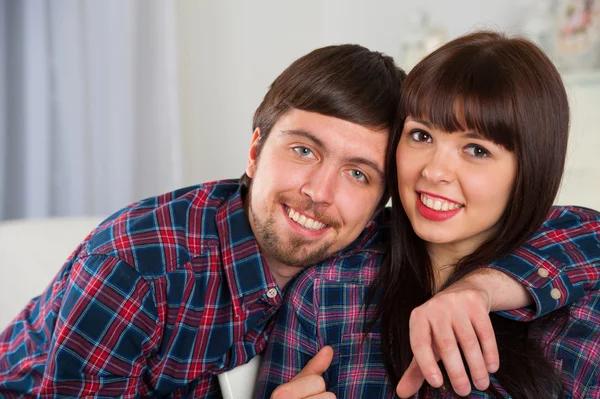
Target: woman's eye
x=477 y=151
x=304 y=152
x=421 y=136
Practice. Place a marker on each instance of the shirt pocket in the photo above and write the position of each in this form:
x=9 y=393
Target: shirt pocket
x=361 y=372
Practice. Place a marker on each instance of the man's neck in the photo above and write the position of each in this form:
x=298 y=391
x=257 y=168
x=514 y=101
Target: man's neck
x=281 y=272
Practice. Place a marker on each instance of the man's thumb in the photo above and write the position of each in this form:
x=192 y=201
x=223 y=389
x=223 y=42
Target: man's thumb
x=318 y=364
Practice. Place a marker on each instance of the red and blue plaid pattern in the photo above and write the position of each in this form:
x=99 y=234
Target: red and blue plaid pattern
x=158 y=300
x=325 y=306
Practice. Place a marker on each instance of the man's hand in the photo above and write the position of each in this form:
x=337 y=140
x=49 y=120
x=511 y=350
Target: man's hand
x=308 y=383
x=460 y=315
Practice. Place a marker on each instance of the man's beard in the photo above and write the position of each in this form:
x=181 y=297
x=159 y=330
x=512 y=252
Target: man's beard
x=291 y=252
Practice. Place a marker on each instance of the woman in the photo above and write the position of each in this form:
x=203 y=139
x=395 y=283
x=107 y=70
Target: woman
x=473 y=176
x=478 y=165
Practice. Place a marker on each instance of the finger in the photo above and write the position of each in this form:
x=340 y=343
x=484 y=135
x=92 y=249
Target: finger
x=324 y=395
x=318 y=364
x=309 y=386
x=447 y=346
x=420 y=333
x=487 y=339
x=411 y=381
x=469 y=344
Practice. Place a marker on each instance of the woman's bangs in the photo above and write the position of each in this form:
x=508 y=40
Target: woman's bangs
x=455 y=101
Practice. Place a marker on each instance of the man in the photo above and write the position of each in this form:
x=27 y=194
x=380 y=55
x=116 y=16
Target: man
x=173 y=290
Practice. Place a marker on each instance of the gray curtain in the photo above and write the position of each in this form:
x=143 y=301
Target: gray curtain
x=89 y=116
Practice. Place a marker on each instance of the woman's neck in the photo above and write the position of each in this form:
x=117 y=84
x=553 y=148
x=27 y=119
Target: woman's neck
x=444 y=258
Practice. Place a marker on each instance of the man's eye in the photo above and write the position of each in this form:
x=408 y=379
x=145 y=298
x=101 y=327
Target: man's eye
x=358 y=175
x=304 y=152
x=477 y=151
x=420 y=136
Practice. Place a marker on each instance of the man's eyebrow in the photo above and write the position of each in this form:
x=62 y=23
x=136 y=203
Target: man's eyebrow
x=358 y=160
x=303 y=133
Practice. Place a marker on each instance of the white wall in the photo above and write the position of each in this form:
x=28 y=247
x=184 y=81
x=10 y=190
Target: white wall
x=230 y=52
x=382 y=24
x=581 y=180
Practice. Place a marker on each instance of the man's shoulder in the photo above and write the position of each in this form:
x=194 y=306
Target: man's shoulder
x=157 y=234
x=567 y=223
x=569 y=230
x=359 y=262
x=359 y=266
x=564 y=217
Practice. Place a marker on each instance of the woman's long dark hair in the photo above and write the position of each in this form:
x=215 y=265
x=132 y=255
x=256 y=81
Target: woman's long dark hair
x=507 y=90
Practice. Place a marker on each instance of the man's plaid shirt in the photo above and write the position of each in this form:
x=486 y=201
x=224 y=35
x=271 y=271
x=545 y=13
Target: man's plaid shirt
x=159 y=299
x=559 y=265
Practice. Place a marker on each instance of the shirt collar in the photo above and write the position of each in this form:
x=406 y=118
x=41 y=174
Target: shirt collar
x=244 y=265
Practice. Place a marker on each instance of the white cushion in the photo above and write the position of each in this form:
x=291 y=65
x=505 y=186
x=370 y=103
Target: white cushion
x=32 y=251
x=239 y=382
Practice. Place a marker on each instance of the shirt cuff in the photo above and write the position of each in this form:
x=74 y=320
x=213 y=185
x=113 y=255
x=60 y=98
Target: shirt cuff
x=544 y=278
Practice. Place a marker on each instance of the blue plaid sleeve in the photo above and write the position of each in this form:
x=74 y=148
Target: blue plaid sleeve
x=105 y=329
x=560 y=264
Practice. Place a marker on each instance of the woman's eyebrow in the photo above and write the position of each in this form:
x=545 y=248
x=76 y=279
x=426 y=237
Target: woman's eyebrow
x=473 y=135
x=421 y=121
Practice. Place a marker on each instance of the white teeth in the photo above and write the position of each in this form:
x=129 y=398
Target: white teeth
x=438 y=204
x=305 y=221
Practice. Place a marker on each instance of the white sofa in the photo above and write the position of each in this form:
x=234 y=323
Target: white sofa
x=32 y=251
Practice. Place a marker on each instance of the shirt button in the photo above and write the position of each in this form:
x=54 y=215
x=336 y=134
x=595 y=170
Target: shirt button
x=272 y=293
x=542 y=272
x=555 y=293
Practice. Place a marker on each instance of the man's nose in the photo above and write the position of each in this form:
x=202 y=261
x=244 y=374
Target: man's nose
x=320 y=185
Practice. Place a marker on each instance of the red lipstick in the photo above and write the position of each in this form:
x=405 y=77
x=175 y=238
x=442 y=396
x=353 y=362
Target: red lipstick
x=432 y=214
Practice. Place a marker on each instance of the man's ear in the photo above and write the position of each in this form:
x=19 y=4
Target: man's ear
x=253 y=153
